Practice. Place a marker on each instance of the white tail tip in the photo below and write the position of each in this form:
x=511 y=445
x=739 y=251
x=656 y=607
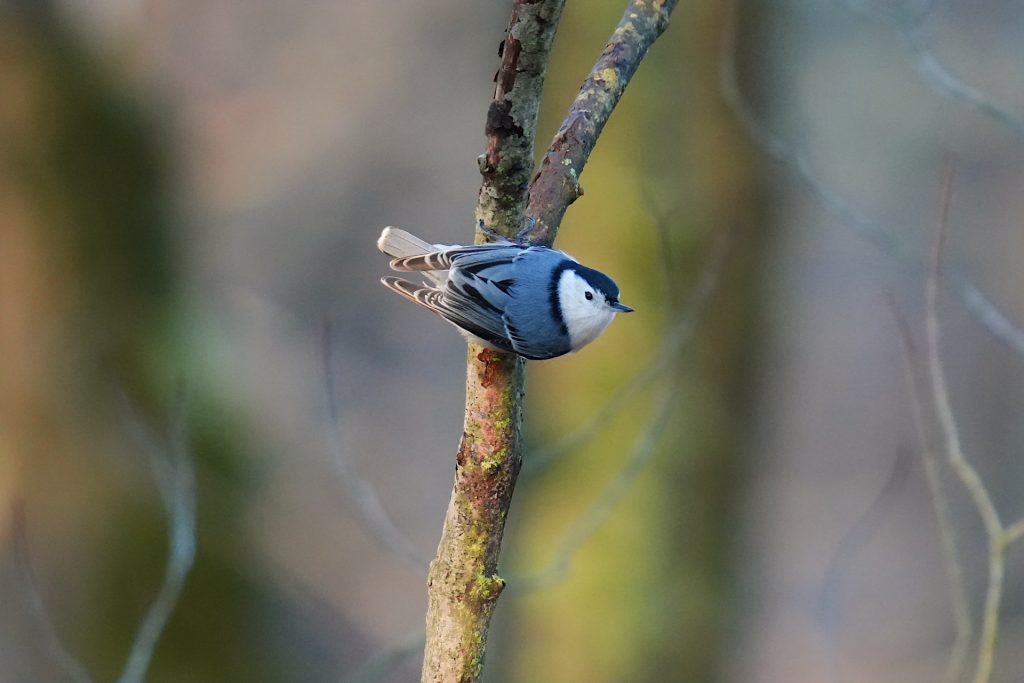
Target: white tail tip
x=398 y=243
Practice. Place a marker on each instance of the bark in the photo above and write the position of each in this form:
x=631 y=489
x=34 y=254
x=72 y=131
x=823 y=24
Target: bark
x=463 y=584
x=557 y=183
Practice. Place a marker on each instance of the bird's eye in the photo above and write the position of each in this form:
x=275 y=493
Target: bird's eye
x=590 y=296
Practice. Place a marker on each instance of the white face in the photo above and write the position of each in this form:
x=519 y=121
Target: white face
x=586 y=311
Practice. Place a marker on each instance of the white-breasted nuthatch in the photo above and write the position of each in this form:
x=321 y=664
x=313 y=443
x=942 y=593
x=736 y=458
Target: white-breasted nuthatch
x=538 y=302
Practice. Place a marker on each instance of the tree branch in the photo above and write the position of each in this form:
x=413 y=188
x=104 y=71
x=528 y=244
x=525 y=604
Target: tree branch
x=463 y=585
x=961 y=466
x=557 y=183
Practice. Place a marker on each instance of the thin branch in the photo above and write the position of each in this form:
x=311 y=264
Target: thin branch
x=850 y=545
x=175 y=479
x=45 y=629
x=964 y=629
x=463 y=584
x=785 y=153
x=377 y=666
x=932 y=70
x=557 y=183
x=940 y=392
x=968 y=476
x=362 y=493
x=1014 y=532
x=991 y=318
x=463 y=581
x=942 y=80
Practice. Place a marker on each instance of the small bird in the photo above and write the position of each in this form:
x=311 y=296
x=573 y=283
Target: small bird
x=535 y=301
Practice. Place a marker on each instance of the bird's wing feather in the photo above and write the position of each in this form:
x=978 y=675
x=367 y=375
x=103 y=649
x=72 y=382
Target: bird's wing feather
x=464 y=306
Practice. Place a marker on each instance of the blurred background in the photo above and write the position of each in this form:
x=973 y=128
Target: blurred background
x=728 y=486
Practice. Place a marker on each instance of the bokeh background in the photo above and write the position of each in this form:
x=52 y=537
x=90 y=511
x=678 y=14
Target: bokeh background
x=190 y=193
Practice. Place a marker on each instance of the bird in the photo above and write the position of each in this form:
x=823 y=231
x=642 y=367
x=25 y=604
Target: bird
x=534 y=301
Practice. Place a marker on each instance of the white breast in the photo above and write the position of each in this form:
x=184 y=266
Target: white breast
x=584 y=319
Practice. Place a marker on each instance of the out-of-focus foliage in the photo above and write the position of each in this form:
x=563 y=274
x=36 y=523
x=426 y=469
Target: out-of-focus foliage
x=92 y=316
x=189 y=189
x=671 y=175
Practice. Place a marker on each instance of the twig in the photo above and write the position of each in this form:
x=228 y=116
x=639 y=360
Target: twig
x=932 y=70
x=1014 y=532
x=852 y=542
x=463 y=585
x=362 y=493
x=985 y=312
x=557 y=183
x=44 y=626
x=383 y=661
x=968 y=476
x=940 y=78
x=964 y=629
x=790 y=157
x=991 y=318
x=175 y=479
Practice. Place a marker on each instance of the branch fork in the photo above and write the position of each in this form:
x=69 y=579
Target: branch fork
x=463 y=584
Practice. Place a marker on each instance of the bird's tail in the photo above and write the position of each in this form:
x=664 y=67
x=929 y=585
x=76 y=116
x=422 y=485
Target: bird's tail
x=398 y=243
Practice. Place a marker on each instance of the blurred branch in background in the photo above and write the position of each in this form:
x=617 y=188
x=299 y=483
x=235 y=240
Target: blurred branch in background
x=362 y=493
x=870 y=230
x=786 y=153
x=41 y=621
x=174 y=477
x=92 y=266
x=828 y=612
x=909 y=22
x=998 y=536
x=463 y=585
x=917 y=389
x=173 y=469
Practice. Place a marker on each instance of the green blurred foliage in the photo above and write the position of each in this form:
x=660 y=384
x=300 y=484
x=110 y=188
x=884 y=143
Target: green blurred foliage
x=647 y=597
x=88 y=158
x=88 y=165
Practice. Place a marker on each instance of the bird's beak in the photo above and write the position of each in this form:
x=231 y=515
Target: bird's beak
x=621 y=307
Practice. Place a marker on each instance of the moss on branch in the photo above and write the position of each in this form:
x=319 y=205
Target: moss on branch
x=557 y=183
x=463 y=583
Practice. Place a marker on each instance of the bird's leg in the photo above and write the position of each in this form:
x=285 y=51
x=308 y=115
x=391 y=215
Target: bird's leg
x=492 y=235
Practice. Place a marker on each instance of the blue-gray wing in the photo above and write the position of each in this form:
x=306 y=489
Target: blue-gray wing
x=477 y=304
x=477 y=295
x=457 y=308
x=475 y=292
x=473 y=257
x=533 y=320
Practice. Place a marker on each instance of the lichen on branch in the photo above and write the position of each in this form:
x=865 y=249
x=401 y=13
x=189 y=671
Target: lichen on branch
x=557 y=183
x=507 y=162
x=463 y=583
